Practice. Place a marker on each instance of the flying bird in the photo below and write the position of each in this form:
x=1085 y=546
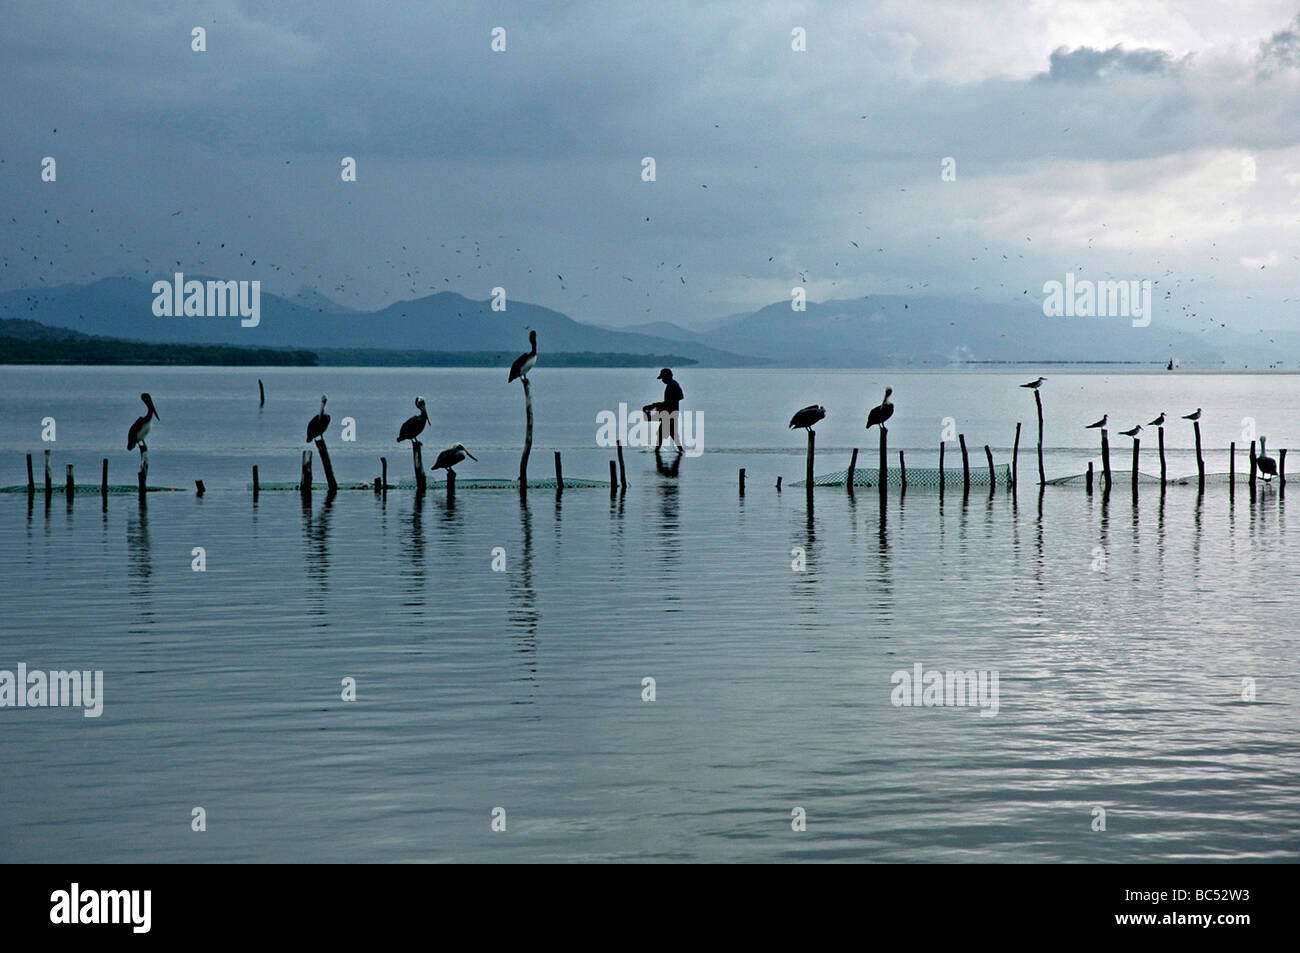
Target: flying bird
x=140 y=429
x=526 y=361
x=412 y=427
x=452 y=456
x=318 y=424
x=807 y=417
x=882 y=413
x=1100 y=423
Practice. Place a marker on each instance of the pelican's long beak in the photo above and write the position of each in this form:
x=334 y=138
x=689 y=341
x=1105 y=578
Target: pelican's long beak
x=470 y=455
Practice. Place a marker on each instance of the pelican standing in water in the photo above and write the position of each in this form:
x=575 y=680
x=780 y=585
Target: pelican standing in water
x=1099 y=424
x=412 y=427
x=880 y=414
x=807 y=417
x=1267 y=465
x=526 y=361
x=452 y=456
x=317 y=426
x=140 y=429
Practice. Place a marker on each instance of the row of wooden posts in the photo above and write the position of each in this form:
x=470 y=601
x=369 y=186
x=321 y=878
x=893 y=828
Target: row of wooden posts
x=809 y=479
x=70 y=486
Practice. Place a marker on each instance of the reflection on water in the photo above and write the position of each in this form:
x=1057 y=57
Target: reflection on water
x=1119 y=687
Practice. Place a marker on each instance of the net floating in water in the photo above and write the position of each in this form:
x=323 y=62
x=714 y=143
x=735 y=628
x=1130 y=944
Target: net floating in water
x=462 y=483
x=1145 y=479
x=916 y=476
x=86 y=489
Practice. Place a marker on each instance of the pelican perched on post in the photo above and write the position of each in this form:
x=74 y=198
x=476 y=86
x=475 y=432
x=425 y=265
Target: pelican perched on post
x=1159 y=421
x=317 y=426
x=807 y=417
x=1267 y=465
x=526 y=361
x=412 y=427
x=880 y=414
x=452 y=456
x=1034 y=385
x=1132 y=433
x=140 y=429
x=1099 y=424
x=1195 y=416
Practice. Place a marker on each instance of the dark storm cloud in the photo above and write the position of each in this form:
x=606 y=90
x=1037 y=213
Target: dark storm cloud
x=1088 y=65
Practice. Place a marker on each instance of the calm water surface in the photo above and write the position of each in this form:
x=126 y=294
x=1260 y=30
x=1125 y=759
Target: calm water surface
x=1121 y=633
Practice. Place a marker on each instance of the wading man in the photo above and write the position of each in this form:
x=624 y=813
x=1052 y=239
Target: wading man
x=666 y=410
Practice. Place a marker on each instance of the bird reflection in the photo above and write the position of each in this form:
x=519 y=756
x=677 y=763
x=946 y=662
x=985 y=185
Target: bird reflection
x=139 y=554
x=414 y=540
x=524 y=614
x=316 y=543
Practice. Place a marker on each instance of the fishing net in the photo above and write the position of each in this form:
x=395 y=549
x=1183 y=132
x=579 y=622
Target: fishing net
x=916 y=477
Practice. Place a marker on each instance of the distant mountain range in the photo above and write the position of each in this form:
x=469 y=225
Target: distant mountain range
x=875 y=331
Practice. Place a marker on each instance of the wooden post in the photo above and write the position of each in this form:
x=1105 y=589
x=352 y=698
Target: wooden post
x=1232 y=468
x=1105 y=461
x=1137 y=444
x=257 y=488
x=884 y=459
x=965 y=464
x=305 y=484
x=1252 y=469
x=1162 y=457
x=622 y=470
x=325 y=464
x=943 y=475
x=261 y=393
x=199 y=488
x=31 y=481
x=383 y=471
x=48 y=481
x=1200 y=461
x=1088 y=482
x=809 y=479
x=103 y=479
x=613 y=479
x=853 y=469
x=902 y=471
x=742 y=481
x=559 y=473
x=528 y=435
x=1038 y=402
x=69 y=485
x=778 y=484
x=1015 y=459
x=1281 y=467
x=377 y=486
x=451 y=485
x=144 y=473
x=417 y=460
x=993 y=480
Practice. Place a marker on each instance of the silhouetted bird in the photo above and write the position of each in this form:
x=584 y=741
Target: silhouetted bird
x=880 y=414
x=807 y=417
x=318 y=424
x=412 y=427
x=140 y=429
x=524 y=362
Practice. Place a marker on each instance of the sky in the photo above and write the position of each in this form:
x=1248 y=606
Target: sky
x=1125 y=141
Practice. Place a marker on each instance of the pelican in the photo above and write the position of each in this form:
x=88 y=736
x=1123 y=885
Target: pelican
x=452 y=456
x=1132 y=433
x=524 y=362
x=1034 y=385
x=414 y=426
x=140 y=429
x=1098 y=424
x=1267 y=465
x=882 y=413
x=318 y=424
x=807 y=417
x=1159 y=421
x=1195 y=416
